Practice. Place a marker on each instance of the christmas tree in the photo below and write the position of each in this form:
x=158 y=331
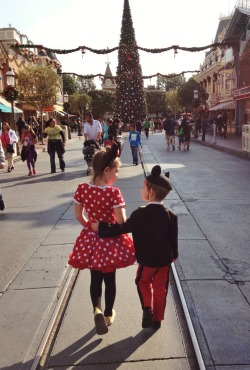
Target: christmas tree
x=130 y=97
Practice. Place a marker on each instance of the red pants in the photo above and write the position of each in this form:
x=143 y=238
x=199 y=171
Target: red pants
x=152 y=285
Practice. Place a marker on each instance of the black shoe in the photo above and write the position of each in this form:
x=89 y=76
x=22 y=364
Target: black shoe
x=147 y=317
x=53 y=172
x=2 y=205
x=156 y=325
x=12 y=168
x=173 y=147
x=63 y=169
x=9 y=169
x=136 y=163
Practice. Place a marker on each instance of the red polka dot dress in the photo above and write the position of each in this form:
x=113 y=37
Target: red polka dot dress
x=103 y=254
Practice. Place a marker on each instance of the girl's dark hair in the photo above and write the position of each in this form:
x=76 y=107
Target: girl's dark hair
x=29 y=128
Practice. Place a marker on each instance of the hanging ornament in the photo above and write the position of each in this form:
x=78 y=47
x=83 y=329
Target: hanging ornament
x=128 y=58
x=83 y=51
x=175 y=52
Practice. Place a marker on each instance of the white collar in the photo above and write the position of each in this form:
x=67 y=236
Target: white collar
x=155 y=203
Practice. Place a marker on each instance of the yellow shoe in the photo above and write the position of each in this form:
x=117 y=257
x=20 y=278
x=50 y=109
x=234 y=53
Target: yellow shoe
x=100 y=324
x=110 y=319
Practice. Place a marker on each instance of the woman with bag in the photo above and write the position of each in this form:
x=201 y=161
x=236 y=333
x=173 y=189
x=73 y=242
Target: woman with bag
x=56 y=143
x=28 y=153
x=8 y=139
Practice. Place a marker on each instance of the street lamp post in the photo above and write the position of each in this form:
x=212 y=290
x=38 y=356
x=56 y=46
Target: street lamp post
x=196 y=102
x=10 y=92
x=66 y=106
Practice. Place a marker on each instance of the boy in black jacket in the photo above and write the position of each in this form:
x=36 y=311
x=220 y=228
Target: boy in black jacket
x=155 y=235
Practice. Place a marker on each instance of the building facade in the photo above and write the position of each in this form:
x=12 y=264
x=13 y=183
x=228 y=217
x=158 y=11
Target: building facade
x=224 y=73
x=17 y=59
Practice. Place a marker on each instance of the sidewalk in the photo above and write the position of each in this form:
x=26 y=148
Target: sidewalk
x=232 y=145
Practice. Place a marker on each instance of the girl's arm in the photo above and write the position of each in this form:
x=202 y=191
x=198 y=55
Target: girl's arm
x=79 y=209
x=120 y=215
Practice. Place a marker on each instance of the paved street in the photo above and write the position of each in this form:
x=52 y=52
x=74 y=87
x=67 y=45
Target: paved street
x=211 y=197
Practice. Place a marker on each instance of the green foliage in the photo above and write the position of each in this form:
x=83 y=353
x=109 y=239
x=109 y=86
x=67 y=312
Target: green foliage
x=156 y=101
x=173 y=105
x=79 y=103
x=169 y=84
x=69 y=84
x=38 y=86
x=102 y=102
x=85 y=85
x=185 y=95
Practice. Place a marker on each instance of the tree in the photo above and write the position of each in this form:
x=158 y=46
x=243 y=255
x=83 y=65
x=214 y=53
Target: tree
x=130 y=98
x=169 y=84
x=173 y=105
x=38 y=86
x=70 y=85
x=185 y=95
x=102 y=102
x=79 y=103
x=85 y=85
x=156 y=101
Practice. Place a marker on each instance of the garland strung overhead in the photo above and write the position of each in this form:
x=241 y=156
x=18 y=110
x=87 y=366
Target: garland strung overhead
x=86 y=77
x=83 y=49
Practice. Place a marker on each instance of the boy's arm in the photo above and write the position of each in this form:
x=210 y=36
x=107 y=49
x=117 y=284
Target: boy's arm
x=108 y=230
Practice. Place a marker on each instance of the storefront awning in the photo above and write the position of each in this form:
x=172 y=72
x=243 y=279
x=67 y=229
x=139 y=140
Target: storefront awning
x=53 y=108
x=5 y=107
x=224 y=106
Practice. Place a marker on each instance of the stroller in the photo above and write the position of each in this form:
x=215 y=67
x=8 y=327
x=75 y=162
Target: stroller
x=89 y=149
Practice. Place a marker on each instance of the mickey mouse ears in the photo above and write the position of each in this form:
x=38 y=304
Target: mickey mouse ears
x=157 y=178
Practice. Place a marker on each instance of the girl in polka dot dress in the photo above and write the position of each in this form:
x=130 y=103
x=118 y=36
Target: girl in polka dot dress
x=98 y=199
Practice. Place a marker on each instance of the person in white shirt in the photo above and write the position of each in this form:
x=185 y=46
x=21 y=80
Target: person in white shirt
x=92 y=128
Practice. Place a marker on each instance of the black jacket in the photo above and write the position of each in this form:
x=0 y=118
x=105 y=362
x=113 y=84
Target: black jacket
x=155 y=234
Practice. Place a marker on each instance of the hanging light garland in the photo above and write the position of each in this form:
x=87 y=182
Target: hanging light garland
x=83 y=49
x=126 y=75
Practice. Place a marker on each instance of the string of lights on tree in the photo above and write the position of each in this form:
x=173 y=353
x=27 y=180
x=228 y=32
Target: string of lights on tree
x=90 y=76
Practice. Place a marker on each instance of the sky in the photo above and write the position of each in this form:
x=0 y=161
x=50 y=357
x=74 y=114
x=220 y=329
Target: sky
x=64 y=24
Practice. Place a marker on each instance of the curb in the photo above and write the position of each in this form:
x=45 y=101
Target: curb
x=234 y=152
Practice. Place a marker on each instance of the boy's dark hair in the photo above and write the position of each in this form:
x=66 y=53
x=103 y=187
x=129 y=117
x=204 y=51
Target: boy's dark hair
x=160 y=192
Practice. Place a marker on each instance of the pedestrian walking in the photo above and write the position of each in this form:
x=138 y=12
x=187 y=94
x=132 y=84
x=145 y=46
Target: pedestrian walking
x=105 y=129
x=169 y=127
x=180 y=133
x=109 y=142
x=204 y=127
x=146 y=126
x=9 y=139
x=28 y=153
x=92 y=129
x=2 y=163
x=19 y=124
x=115 y=130
x=187 y=134
x=155 y=235
x=135 y=142
x=56 y=144
x=101 y=200
x=138 y=126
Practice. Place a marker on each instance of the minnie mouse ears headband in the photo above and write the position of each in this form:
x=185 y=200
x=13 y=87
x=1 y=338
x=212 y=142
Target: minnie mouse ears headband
x=157 y=178
x=111 y=155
